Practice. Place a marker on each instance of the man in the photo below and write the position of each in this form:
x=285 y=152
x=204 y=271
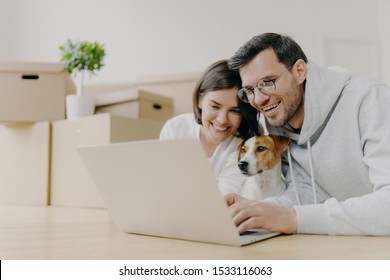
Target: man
x=338 y=176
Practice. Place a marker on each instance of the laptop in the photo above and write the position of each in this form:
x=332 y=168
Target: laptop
x=164 y=189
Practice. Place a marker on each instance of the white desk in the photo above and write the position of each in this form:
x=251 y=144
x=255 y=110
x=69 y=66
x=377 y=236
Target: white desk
x=28 y=232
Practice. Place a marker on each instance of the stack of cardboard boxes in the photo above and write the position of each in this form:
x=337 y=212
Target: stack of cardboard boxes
x=39 y=162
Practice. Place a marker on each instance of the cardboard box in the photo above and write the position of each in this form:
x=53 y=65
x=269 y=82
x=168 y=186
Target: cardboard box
x=24 y=163
x=71 y=184
x=178 y=87
x=31 y=92
x=135 y=103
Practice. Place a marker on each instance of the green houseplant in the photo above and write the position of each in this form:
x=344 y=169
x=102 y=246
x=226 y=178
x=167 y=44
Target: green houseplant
x=81 y=57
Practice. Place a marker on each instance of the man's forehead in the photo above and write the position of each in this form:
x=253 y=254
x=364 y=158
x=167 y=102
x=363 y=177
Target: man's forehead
x=261 y=66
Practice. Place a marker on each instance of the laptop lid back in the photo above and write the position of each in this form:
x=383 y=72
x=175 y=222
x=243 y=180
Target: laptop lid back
x=161 y=188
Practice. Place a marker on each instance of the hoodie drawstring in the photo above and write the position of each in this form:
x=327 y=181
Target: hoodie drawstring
x=292 y=174
x=313 y=185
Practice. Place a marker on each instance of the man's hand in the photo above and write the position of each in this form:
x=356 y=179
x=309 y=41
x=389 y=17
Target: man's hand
x=249 y=214
x=232 y=198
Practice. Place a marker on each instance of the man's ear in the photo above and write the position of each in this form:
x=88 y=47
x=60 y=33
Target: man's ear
x=300 y=71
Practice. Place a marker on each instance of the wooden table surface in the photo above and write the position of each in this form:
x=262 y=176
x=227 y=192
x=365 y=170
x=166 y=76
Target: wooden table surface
x=34 y=232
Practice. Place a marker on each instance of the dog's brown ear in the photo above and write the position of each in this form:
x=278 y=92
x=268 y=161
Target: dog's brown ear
x=281 y=143
x=239 y=152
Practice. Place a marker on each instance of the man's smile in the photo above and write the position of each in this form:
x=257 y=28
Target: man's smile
x=270 y=107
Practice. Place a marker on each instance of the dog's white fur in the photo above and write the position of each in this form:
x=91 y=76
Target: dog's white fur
x=259 y=158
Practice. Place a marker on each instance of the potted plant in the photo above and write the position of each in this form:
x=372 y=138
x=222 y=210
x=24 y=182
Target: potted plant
x=81 y=57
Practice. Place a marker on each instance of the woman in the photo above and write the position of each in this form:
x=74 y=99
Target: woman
x=218 y=123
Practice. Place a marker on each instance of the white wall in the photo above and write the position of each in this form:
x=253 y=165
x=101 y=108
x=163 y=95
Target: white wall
x=383 y=21
x=146 y=37
x=7 y=25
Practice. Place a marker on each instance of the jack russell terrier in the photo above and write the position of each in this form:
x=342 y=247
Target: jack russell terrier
x=259 y=158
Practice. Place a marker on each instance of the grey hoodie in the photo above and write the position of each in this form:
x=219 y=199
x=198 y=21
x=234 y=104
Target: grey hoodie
x=344 y=147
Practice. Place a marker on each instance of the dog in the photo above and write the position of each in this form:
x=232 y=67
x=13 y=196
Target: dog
x=259 y=157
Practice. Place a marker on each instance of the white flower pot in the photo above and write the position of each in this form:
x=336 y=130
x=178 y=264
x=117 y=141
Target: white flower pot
x=79 y=106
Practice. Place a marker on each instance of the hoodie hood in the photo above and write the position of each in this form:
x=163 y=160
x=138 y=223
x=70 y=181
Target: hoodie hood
x=330 y=83
x=323 y=88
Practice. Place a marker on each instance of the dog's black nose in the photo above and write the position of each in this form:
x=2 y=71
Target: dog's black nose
x=243 y=166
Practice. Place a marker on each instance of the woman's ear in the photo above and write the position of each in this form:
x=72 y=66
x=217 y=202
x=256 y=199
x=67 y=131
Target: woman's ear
x=200 y=102
x=300 y=71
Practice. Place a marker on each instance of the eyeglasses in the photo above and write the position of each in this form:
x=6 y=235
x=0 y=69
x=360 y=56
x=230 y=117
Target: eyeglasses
x=265 y=86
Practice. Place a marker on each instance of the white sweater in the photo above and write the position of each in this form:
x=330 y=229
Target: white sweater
x=224 y=159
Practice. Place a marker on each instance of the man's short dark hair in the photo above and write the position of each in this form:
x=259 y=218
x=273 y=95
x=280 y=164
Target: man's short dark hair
x=285 y=48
